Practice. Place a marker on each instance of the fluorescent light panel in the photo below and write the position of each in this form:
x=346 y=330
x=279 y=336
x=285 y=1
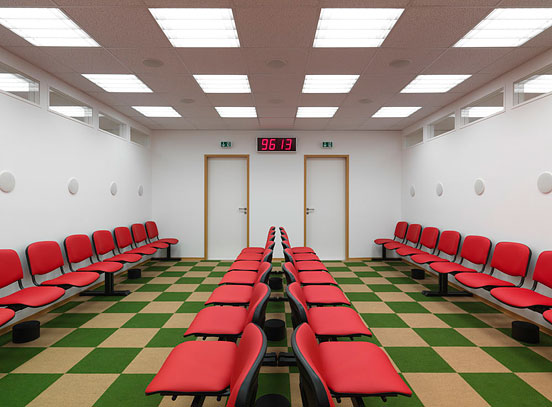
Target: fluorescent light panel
x=396 y=111
x=45 y=27
x=237 y=111
x=198 y=27
x=329 y=83
x=480 y=111
x=434 y=83
x=508 y=27
x=124 y=83
x=315 y=111
x=355 y=27
x=223 y=83
x=157 y=111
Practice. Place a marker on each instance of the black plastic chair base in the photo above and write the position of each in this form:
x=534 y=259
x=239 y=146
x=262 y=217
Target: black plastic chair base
x=287 y=359
x=275 y=329
x=417 y=274
x=443 y=289
x=525 y=332
x=270 y=359
x=272 y=400
x=275 y=283
x=26 y=331
x=134 y=274
x=109 y=290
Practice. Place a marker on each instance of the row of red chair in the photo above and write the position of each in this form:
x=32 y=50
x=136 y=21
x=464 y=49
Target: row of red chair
x=235 y=309
x=508 y=258
x=44 y=258
x=332 y=369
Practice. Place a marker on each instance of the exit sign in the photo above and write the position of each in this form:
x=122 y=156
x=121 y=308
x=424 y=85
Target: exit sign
x=225 y=144
x=327 y=144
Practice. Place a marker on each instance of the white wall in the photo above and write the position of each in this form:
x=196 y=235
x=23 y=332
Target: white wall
x=44 y=150
x=276 y=184
x=509 y=151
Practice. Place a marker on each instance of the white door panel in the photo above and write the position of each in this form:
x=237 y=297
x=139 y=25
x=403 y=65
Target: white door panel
x=227 y=194
x=326 y=207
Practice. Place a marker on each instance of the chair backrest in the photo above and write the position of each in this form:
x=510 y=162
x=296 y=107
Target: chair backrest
x=400 y=229
x=272 y=236
x=305 y=346
x=476 y=249
x=449 y=242
x=138 y=232
x=511 y=258
x=245 y=374
x=263 y=272
x=286 y=244
x=297 y=303
x=44 y=257
x=267 y=255
x=270 y=244
x=429 y=237
x=257 y=304
x=123 y=237
x=288 y=256
x=151 y=228
x=10 y=267
x=78 y=248
x=413 y=234
x=543 y=269
x=291 y=271
x=103 y=241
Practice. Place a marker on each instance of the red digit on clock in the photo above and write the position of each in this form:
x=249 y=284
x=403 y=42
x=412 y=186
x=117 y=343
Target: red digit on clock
x=264 y=144
x=289 y=143
x=272 y=144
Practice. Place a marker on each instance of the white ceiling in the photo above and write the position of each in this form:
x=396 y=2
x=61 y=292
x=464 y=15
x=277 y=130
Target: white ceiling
x=277 y=29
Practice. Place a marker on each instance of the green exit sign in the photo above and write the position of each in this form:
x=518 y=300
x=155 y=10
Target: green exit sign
x=225 y=144
x=327 y=144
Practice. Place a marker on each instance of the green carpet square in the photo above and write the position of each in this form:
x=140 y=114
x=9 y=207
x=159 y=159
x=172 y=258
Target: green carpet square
x=275 y=307
x=337 y=268
x=443 y=337
x=126 y=307
x=141 y=280
x=147 y=321
x=157 y=268
x=186 y=263
x=366 y=297
x=407 y=308
x=383 y=268
x=190 y=307
x=169 y=296
x=383 y=321
x=418 y=360
x=190 y=280
x=367 y=273
x=274 y=383
x=355 y=264
x=18 y=390
x=172 y=274
x=476 y=307
x=66 y=307
x=153 y=287
x=520 y=359
x=202 y=268
x=462 y=321
x=401 y=280
x=106 y=360
x=69 y=321
x=229 y=263
x=206 y=288
x=168 y=338
x=422 y=298
x=383 y=288
x=85 y=338
x=217 y=273
x=11 y=358
x=348 y=280
x=128 y=391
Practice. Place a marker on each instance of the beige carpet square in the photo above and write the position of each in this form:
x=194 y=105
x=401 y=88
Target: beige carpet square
x=466 y=359
x=129 y=338
x=161 y=307
x=355 y=288
x=422 y=321
x=108 y=321
x=48 y=336
x=411 y=288
x=164 y=280
x=53 y=360
x=372 y=307
x=182 y=288
x=141 y=296
x=91 y=307
x=180 y=321
x=398 y=337
x=374 y=280
x=496 y=320
x=443 y=307
x=200 y=296
x=542 y=382
x=487 y=337
x=149 y=360
x=394 y=297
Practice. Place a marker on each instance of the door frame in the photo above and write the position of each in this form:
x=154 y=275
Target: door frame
x=206 y=195
x=346 y=157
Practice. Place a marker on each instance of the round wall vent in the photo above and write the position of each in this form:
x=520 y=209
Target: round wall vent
x=479 y=186
x=7 y=181
x=113 y=188
x=73 y=186
x=439 y=189
x=544 y=182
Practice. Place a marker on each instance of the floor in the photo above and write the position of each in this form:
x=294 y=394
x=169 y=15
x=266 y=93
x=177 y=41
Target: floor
x=104 y=351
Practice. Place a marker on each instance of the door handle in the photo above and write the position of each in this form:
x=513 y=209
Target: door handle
x=243 y=210
x=310 y=210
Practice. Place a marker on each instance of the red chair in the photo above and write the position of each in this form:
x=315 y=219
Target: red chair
x=296 y=250
x=233 y=294
x=215 y=369
x=519 y=297
x=304 y=265
x=104 y=244
x=6 y=315
x=242 y=277
x=229 y=322
x=475 y=249
x=259 y=250
x=343 y=370
x=509 y=258
x=139 y=235
x=153 y=236
x=45 y=257
x=428 y=242
x=251 y=265
x=399 y=235
x=123 y=238
x=307 y=278
x=412 y=236
x=449 y=242
x=262 y=257
x=326 y=322
x=78 y=249
x=548 y=315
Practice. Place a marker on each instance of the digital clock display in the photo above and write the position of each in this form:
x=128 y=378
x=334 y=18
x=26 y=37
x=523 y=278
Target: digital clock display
x=265 y=144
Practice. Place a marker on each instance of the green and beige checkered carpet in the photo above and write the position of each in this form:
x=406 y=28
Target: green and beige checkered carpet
x=104 y=351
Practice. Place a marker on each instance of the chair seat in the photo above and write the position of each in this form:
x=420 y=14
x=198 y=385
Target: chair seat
x=168 y=241
x=103 y=267
x=548 y=315
x=125 y=258
x=324 y=294
x=75 y=279
x=409 y=251
x=239 y=277
x=383 y=241
x=33 y=296
x=336 y=321
x=520 y=297
x=245 y=265
x=250 y=257
x=157 y=245
x=142 y=250
x=316 y=277
x=310 y=266
x=359 y=368
x=480 y=280
x=297 y=250
x=253 y=250
x=231 y=294
x=427 y=258
x=394 y=245
x=6 y=315
x=196 y=367
x=305 y=257
x=450 y=267
x=218 y=321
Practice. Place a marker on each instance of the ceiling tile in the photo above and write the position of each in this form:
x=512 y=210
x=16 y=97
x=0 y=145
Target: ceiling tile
x=311 y=124
x=295 y=60
x=276 y=83
x=339 y=60
x=188 y=3
x=27 y=3
x=372 y=86
x=133 y=59
x=40 y=59
x=10 y=39
x=276 y=99
x=286 y=111
x=421 y=99
x=241 y=124
x=278 y=123
x=465 y=60
x=213 y=60
x=230 y=99
x=321 y=99
x=453 y=3
x=87 y=60
x=364 y=3
x=173 y=123
x=418 y=59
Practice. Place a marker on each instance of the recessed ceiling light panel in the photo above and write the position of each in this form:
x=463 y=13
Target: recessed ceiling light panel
x=354 y=27
x=123 y=83
x=315 y=111
x=329 y=83
x=45 y=27
x=223 y=83
x=434 y=83
x=237 y=111
x=508 y=27
x=396 y=111
x=198 y=27
x=157 y=111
